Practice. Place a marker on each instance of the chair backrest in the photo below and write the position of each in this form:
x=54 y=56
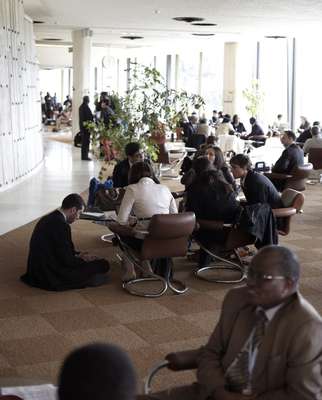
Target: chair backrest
x=292 y=200
x=168 y=235
x=163 y=154
x=299 y=177
x=196 y=140
x=315 y=157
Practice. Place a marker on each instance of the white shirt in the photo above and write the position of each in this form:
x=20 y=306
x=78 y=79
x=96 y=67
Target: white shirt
x=144 y=199
x=224 y=128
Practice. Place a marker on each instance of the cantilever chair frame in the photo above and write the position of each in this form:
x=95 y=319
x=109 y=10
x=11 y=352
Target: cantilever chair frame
x=225 y=264
x=127 y=253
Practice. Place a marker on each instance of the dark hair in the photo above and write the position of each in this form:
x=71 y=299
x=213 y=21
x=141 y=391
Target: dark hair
x=97 y=372
x=219 y=156
x=202 y=120
x=214 y=111
x=241 y=160
x=316 y=123
x=315 y=130
x=86 y=99
x=73 y=200
x=252 y=120
x=227 y=118
x=201 y=164
x=132 y=148
x=215 y=179
x=139 y=170
x=288 y=263
x=211 y=139
x=279 y=115
x=235 y=118
x=290 y=135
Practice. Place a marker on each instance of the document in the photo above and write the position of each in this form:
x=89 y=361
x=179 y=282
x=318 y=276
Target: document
x=36 y=392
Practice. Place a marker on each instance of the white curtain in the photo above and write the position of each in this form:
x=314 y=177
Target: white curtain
x=21 y=147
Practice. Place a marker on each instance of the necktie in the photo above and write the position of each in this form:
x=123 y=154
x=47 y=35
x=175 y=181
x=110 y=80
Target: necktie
x=238 y=376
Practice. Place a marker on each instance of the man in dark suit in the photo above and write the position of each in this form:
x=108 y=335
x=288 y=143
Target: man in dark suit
x=85 y=115
x=268 y=341
x=53 y=263
x=291 y=158
x=256 y=187
x=121 y=170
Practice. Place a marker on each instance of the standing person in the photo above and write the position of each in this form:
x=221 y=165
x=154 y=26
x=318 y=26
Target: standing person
x=53 y=263
x=85 y=115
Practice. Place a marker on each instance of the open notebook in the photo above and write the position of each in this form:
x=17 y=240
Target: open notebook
x=36 y=392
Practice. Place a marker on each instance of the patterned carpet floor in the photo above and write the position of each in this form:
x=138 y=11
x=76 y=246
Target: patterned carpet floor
x=38 y=328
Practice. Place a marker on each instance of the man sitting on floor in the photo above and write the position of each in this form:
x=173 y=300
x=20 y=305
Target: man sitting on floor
x=267 y=343
x=53 y=263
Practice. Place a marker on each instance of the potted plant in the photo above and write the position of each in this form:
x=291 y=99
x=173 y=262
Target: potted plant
x=254 y=98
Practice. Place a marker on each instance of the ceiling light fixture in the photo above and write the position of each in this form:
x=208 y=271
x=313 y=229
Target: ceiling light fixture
x=203 y=24
x=38 y=22
x=52 y=39
x=132 y=37
x=188 y=19
x=275 y=37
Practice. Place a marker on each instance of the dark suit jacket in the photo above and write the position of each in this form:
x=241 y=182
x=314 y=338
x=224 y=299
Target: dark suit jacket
x=85 y=114
x=258 y=188
x=52 y=260
x=120 y=173
x=291 y=158
x=288 y=364
x=304 y=136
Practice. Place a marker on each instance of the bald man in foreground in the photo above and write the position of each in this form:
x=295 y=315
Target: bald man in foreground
x=267 y=344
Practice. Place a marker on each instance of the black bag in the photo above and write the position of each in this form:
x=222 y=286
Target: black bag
x=78 y=140
x=108 y=200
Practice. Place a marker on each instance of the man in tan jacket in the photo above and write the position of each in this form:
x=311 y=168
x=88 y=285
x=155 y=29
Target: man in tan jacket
x=267 y=344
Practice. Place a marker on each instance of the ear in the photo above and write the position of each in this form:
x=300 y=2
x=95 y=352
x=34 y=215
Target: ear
x=289 y=284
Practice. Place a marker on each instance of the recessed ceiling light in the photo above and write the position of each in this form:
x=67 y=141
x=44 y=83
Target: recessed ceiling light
x=132 y=37
x=203 y=24
x=189 y=19
x=275 y=37
x=38 y=22
x=203 y=34
x=52 y=39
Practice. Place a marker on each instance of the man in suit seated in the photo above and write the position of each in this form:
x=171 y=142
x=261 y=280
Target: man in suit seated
x=268 y=341
x=315 y=142
x=121 y=170
x=53 y=263
x=291 y=158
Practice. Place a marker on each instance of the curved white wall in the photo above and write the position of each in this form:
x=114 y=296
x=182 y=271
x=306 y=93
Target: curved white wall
x=21 y=146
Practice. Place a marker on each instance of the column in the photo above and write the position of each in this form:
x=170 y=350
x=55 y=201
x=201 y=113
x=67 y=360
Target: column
x=82 y=46
x=230 y=78
x=291 y=81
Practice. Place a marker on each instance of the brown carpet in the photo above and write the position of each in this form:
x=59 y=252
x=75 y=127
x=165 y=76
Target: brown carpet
x=39 y=328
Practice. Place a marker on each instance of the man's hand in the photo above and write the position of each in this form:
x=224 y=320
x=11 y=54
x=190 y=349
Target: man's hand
x=222 y=394
x=87 y=257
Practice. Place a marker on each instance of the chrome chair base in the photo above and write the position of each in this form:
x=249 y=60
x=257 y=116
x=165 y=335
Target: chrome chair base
x=108 y=237
x=226 y=265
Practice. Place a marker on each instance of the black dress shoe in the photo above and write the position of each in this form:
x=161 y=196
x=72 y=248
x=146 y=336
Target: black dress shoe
x=86 y=159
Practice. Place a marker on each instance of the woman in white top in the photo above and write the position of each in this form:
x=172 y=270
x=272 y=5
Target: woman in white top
x=143 y=198
x=225 y=127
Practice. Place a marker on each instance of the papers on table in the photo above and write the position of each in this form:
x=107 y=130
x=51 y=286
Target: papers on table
x=99 y=216
x=36 y=392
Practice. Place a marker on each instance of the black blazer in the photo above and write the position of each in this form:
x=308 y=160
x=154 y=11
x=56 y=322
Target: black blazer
x=291 y=158
x=52 y=261
x=120 y=174
x=258 y=188
x=85 y=114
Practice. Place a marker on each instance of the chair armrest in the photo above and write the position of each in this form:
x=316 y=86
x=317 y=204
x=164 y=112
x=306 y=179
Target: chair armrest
x=183 y=360
x=284 y=212
x=276 y=175
x=211 y=225
x=178 y=194
x=121 y=230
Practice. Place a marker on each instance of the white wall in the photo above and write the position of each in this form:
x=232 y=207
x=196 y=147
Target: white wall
x=54 y=56
x=21 y=147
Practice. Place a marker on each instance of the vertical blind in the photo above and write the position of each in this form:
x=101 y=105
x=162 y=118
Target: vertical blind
x=21 y=147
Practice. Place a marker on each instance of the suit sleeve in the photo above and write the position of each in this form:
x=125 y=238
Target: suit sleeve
x=64 y=246
x=303 y=374
x=210 y=373
x=282 y=164
x=117 y=176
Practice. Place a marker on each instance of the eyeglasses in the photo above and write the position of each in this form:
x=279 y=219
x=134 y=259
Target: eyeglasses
x=258 y=277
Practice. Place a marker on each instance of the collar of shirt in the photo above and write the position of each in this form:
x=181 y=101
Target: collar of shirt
x=60 y=210
x=270 y=313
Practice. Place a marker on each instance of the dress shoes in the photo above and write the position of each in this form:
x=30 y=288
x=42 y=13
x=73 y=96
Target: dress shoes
x=86 y=159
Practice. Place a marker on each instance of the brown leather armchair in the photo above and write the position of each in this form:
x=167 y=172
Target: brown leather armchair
x=295 y=180
x=166 y=237
x=315 y=158
x=293 y=202
x=221 y=253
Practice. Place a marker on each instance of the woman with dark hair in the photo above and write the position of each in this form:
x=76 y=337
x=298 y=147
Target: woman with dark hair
x=143 y=198
x=257 y=188
x=210 y=197
x=215 y=155
x=199 y=165
x=237 y=125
